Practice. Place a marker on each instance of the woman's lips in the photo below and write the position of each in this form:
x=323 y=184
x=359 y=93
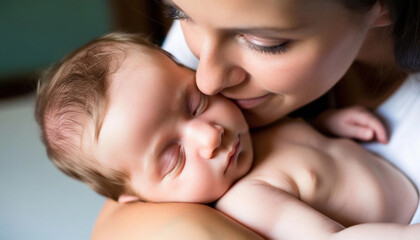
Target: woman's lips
x=250 y=102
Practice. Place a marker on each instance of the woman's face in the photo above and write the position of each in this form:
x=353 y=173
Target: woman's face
x=269 y=56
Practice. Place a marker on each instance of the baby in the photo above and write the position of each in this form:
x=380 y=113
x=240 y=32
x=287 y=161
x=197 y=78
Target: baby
x=120 y=115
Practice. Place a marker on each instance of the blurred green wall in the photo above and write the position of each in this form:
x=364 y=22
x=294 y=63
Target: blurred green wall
x=35 y=33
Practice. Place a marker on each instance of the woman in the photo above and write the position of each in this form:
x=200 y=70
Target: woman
x=273 y=57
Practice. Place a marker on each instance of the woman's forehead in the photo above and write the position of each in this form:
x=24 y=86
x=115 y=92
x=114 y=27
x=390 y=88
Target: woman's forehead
x=254 y=13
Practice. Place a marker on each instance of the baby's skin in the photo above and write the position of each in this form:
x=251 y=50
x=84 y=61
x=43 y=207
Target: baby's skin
x=305 y=184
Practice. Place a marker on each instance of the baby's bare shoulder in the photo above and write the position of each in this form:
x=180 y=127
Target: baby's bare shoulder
x=293 y=157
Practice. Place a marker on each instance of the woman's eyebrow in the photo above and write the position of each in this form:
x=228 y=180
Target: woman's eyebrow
x=251 y=30
x=169 y=3
x=172 y=6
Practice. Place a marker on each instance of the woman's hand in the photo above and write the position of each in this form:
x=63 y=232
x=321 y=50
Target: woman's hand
x=141 y=220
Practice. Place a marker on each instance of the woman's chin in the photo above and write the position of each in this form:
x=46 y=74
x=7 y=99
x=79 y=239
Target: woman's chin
x=258 y=120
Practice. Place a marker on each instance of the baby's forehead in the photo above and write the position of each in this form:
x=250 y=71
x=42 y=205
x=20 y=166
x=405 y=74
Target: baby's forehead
x=144 y=49
x=146 y=53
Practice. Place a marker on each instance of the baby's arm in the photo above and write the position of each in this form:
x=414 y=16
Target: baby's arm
x=277 y=214
x=274 y=213
x=379 y=231
x=352 y=122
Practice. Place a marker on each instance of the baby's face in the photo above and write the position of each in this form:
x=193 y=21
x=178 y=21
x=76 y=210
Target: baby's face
x=175 y=143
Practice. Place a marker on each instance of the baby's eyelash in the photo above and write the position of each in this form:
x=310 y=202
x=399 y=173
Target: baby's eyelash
x=202 y=105
x=173 y=161
x=175 y=13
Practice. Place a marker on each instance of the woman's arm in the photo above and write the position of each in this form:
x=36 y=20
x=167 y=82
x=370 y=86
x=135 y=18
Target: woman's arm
x=166 y=221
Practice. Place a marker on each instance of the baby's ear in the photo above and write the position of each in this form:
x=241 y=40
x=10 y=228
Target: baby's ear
x=126 y=198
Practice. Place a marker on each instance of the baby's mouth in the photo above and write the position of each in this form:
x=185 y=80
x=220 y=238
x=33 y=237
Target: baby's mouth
x=233 y=154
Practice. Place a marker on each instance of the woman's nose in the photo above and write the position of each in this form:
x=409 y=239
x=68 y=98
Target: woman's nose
x=206 y=137
x=217 y=69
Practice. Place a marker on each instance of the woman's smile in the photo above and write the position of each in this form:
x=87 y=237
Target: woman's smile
x=248 y=103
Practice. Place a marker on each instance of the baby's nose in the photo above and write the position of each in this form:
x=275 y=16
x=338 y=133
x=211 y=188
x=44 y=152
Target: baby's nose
x=211 y=142
x=205 y=137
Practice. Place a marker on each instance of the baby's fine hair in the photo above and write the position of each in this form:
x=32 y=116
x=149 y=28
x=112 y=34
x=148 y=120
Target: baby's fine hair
x=71 y=104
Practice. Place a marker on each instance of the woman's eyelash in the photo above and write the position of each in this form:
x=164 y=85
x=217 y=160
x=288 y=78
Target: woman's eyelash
x=269 y=50
x=276 y=49
x=175 y=13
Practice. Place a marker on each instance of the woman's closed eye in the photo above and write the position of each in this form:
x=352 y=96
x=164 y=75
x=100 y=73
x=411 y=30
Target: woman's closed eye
x=264 y=45
x=172 y=160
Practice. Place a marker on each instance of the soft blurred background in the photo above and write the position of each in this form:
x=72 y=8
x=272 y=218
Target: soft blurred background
x=37 y=201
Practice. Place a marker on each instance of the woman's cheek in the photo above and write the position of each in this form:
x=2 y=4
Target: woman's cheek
x=280 y=76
